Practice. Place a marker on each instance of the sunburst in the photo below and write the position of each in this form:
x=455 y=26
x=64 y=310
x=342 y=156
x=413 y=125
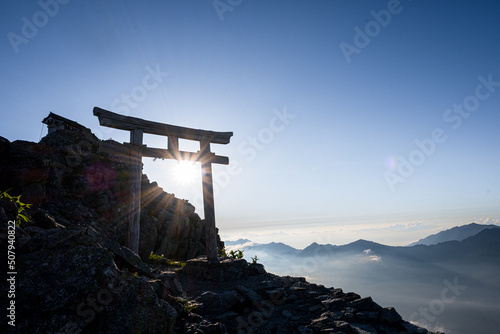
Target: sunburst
x=185 y=172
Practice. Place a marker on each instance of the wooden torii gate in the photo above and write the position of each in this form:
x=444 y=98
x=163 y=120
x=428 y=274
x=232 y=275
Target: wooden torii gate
x=137 y=128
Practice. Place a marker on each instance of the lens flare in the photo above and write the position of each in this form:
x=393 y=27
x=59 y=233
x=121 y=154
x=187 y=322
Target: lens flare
x=391 y=162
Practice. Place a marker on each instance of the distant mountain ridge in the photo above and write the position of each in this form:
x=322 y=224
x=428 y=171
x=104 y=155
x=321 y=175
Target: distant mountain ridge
x=442 y=246
x=411 y=278
x=358 y=246
x=457 y=233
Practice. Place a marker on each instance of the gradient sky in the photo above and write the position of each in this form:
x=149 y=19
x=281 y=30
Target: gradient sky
x=327 y=101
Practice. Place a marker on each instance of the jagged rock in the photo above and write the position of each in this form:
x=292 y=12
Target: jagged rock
x=4 y=145
x=249 y=294
x=199 y=325
x=54 y=238
x=287 y=314
x=389 y=315
x=226 y=270
x=337 y=315
x=21 y=237
x=350 y=296
x=367 y=315
x=69 y=283
x=170 y=283
x=24 y=169
x=124 y=257
x=41 y=218
x=342 y=325
x=8 y=211
x=220 y=302
x=304 y=330
x=413 y=329
x=363 y=329
x=256 y=268
x=148 y=237
x=3 y=216
x=333 y=304
x=33 y=230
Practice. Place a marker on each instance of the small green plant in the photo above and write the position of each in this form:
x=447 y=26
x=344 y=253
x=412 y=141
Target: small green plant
x=255 y=259
x=175 y=263
x=160 y=259
x=235 y=254
x=188 y=306
x=222 y=252
x=155 y=257
x=21 y=207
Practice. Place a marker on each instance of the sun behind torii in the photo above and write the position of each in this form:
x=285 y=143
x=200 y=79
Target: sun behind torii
x=185 y=172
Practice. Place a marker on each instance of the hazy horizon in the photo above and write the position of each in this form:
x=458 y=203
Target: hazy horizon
x=388 y=234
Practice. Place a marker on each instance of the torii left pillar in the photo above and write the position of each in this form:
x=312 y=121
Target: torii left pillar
x=134 y=212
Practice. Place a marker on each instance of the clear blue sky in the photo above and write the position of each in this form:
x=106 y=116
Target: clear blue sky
x=355 y=85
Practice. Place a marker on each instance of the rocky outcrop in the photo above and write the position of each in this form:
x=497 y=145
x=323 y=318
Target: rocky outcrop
x=72 y=280
x=69 y=181
x=68 y=283
x=258 y=302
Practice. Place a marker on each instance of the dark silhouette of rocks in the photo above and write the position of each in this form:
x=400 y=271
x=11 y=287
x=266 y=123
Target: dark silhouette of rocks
x=65 y=176
x=75 y=276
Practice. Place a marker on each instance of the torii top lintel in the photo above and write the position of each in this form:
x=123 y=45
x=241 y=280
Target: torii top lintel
x=110 y=119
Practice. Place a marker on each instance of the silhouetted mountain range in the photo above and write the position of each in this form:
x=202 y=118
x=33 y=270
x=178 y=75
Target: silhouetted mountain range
x=275 y=247
x=437 y=246
x=237 y=242
x=458 y=233
x=415 y=279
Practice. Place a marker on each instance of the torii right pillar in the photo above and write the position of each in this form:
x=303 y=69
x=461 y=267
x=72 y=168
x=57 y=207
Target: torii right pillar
x=208 y=201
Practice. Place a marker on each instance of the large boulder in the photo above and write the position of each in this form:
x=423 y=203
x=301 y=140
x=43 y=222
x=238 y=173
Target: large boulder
x=227 y=269
x=72 y=284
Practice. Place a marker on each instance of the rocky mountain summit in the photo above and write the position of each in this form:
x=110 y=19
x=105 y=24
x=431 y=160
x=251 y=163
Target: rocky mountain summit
x=250 y=300
x=73 y=274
